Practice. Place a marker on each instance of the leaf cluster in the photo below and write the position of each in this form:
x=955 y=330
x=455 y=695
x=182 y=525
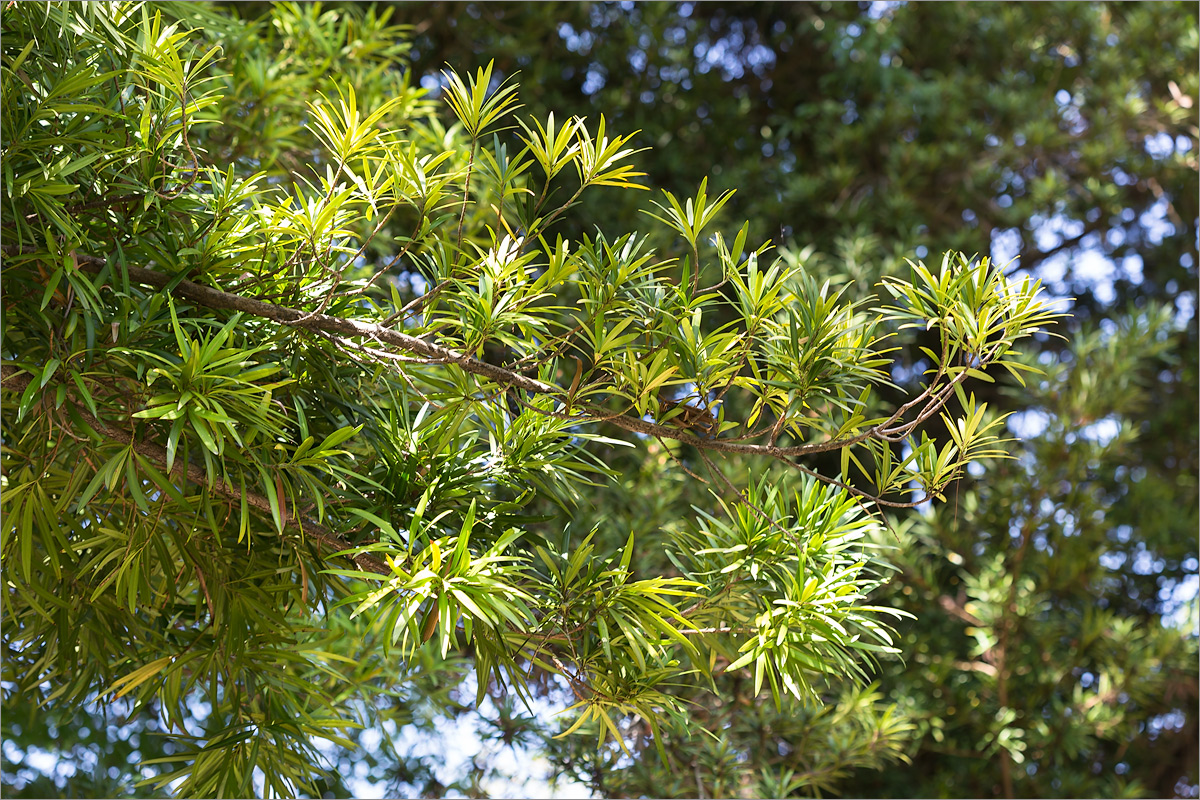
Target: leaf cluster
x=283 y=424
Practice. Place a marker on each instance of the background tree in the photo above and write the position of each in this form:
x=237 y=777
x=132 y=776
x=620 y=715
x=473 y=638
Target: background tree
x=1061 y=134
x=292 y=421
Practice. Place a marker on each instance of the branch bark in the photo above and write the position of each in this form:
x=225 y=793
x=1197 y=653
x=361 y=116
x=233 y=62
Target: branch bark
x=436 y=354
x=217 y=299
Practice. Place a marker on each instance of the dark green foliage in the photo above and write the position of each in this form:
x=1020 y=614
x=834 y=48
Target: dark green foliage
x=310 y=406
x=236 y=530
x=1053 y=132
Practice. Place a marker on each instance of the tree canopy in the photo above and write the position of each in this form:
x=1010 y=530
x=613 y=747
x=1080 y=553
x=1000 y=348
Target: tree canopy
x=1049 y=661
x=339 y=384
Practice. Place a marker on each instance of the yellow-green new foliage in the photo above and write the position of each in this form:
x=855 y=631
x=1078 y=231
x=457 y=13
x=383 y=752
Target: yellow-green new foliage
x=286 y=383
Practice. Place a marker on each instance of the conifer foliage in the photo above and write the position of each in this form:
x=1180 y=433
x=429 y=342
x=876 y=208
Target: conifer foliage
x=297 y=369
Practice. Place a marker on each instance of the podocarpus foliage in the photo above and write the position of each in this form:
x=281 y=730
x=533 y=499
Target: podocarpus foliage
x=1048 y=656
x=291 y=372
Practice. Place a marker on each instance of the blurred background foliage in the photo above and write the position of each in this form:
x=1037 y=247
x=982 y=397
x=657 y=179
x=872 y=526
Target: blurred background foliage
x=1054 y=648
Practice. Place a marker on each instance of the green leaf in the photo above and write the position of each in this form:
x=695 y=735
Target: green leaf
x=127 y=683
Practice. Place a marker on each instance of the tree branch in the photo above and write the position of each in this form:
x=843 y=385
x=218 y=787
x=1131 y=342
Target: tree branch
x=1028 y=262
x=12 y=379
x=217 y=299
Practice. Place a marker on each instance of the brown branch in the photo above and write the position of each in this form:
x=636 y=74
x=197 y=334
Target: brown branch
x=415 y=305
x=952 y=606
x=1028 y=262
x=396 y=260
x=337 y=277
x=15 y=380
x=858 y=492
x=216 y=299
